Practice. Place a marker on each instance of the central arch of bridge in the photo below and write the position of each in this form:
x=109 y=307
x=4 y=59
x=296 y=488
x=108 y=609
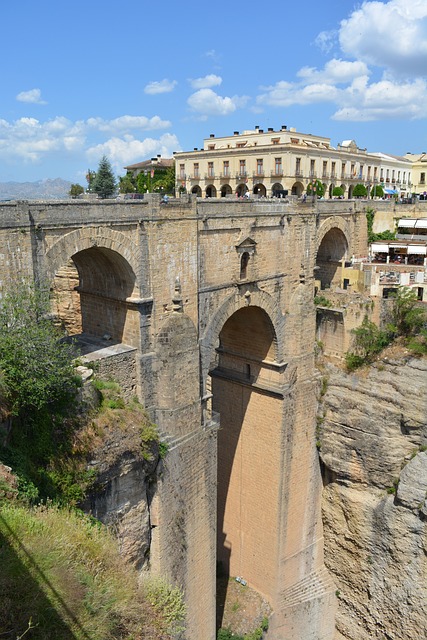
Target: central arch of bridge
x=245 y=387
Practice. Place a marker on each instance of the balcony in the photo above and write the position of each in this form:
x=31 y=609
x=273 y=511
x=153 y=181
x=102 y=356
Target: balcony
x=277 y=173
x=241 y=175
x=193 y=177
x=312 y=175
x=258 y=174
x=298 y=173
x=210 y=176
x=225 y=177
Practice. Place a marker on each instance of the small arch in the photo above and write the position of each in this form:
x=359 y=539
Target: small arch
x=297 y=189
x=226 y=190
x=211 y=191
x=350 y=192
x=241 y=189
x=196 y=190
x=260 y=190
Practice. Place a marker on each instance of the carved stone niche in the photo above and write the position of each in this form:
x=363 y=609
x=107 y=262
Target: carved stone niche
x=245 y=251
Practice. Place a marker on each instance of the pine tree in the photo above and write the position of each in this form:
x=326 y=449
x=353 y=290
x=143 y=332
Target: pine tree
x=105 y=183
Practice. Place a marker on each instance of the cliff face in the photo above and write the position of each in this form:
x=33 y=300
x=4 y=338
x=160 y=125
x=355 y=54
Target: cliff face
x=373 y=428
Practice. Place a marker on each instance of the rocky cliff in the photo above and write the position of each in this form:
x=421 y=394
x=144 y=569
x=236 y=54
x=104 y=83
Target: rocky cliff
x=372 y=437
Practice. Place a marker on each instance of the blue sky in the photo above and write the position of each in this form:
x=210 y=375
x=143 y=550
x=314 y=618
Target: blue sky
x=84 y=79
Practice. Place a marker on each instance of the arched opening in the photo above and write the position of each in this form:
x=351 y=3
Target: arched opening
x=211 y=191
x=331 y=188
x=245 y=384
x=226 y=190
x=297 y=189
x=260 y=190
x=241 y=190
x=244 y=261
x=332 y=251
x=350 y=192
x=92 y=296
x=197 y=191
x=277 y=187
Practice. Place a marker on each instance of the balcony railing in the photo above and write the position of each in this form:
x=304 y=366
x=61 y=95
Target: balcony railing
x=241 y=175
x=210 y=176
x=298 y=173
x=258 y=174
x=225 y=176
x=276 y=173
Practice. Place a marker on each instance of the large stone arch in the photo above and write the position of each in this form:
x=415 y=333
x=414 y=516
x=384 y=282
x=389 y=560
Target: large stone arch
x=333 y=247
x=96 y=292
x=88 y=238
x=232 y=304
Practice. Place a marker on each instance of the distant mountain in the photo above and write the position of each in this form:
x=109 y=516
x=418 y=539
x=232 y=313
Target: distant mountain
x=56 y=189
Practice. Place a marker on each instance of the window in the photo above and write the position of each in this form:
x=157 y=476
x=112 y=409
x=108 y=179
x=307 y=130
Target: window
x=382 y=174
x=392 y=176
x=342 y=169
x=244 y=265
x=196 y=169
x=324 y=168
x=182 y=171
x=240 y=145
x=333 y=170
x=375 y=172
x=242 y=168
x=369 y=171
x=361 y=171
x=312 y=168
x=211 y=169
x=259 y=167
x=275 y=140
x=226 y=168
x=422 y=178
x=352 y=169
x=211 y=147
x=298 y=166
x=278 y=166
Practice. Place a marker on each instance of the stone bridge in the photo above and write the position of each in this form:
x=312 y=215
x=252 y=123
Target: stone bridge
x=207 y=307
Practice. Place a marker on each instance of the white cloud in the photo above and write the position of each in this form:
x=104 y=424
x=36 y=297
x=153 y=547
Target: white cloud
x=335 y=71
x=285 y=94
x=209 y=103
x=326 y=40
x=391 y=35
x=128 y=123
x=383 y=100
x=128 y=150
x=160 y=86
x=31 y=140
x=33 y=96
x=206 y=82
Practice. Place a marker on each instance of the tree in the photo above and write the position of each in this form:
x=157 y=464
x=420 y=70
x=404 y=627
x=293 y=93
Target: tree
x=36 y=366
x=408 y=317
x=317 y=188
x=76 y=190
x=337 y=192
x=127 y=183
x=377 y=191
x=360 y=191
x=105 y=183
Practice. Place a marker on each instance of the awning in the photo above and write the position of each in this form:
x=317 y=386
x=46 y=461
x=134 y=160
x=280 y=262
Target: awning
x=406 y=222
x=390 y=192
x=421 y=224
x=379 y=248
x=418 y=249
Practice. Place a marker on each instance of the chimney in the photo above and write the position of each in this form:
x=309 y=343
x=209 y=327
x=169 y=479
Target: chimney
x=270 y=129
x=236 y=133
x=284 y=127
x=212 y=135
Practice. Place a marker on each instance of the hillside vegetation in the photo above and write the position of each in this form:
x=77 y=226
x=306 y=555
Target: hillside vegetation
x=62 y=576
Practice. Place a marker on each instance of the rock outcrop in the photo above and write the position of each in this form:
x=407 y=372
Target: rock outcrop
x=372 y=437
